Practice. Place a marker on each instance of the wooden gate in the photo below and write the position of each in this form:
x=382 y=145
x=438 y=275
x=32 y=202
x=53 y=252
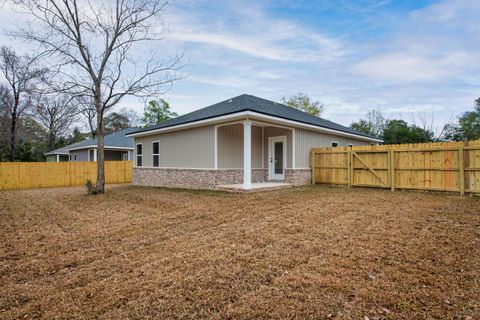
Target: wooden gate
x=444 y=166
x=370 y=169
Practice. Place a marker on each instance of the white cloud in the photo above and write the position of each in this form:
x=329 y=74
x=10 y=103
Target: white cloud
x=415 y=66
x=254 y=33
x=438 y=44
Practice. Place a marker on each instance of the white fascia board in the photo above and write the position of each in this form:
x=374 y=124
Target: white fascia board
x=251 y=115
x=55 y=153
x=95 y=146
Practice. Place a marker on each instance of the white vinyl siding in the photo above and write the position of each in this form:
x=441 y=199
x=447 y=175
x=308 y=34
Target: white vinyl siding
x=189 y=148
x=230 y=146
x=79 y=155
x=306 y=139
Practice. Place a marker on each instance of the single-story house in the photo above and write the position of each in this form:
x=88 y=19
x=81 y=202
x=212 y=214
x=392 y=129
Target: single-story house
x=240 y=141
x=58 y=155
x=117 y=147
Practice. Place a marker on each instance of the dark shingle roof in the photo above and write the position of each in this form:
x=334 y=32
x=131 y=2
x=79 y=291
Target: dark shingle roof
x=116 y=139
x=246 y=102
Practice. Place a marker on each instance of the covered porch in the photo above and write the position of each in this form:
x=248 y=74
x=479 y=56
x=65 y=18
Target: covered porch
x=263 y=152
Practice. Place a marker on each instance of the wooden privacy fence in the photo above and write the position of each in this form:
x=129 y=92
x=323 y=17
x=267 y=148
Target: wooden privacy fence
x=28 y=175
x=442 y=166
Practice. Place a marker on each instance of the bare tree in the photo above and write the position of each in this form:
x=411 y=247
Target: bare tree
x=4 y=123
x=89 y=113
x=132 y=115
x=56 y=114
x=102 y=45
x=425 y=121
x=22 y=75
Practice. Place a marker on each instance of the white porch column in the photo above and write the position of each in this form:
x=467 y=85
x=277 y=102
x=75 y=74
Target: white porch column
x=247 y=154
x=58 y=158
x=95 y=154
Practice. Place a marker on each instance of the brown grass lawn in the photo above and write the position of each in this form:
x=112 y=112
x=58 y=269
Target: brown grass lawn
x=305 y=253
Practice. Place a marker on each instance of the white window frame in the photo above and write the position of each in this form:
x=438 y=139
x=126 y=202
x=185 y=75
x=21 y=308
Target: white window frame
x=350 y=145
x=93 y=154
x=74 y=157
x=332 y=142
x=155 y=154
x=138 y=155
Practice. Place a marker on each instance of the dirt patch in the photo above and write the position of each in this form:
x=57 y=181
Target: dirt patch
x=312 y=252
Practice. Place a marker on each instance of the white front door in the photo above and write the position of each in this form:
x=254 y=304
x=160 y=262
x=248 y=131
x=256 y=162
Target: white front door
x=277 y=157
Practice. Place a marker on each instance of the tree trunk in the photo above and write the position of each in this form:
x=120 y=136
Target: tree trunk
x=100 y=135
x=13 y=137
x=51 y=141
x=51 y=137
x=100 y=162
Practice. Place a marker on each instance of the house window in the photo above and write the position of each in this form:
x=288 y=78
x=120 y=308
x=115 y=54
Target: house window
x=155 y=154
x=74 y=157
x=139 y=154
x=350 y=145
x=334 y=144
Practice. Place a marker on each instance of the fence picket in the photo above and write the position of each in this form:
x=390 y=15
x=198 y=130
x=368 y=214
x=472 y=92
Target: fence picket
x=448 y=166
x=27 y=175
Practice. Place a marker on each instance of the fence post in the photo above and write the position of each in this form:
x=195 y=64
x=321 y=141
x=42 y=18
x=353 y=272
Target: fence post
x=349 y=166
x=312 y=163
x=461 y=172
x=350 y=160
x=392 y=170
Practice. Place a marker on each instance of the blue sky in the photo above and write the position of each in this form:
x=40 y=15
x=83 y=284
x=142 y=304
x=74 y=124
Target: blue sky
x=403 y=58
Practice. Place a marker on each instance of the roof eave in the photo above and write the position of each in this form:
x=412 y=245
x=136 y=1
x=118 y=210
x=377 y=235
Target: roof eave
x=95 y=146
x=55 y=153
x=254 y=114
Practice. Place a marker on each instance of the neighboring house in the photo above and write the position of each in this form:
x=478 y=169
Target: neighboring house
x=58 y=155
x=117 y=147
x=242 y=140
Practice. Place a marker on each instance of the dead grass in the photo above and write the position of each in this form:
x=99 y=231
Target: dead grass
x=306 y=253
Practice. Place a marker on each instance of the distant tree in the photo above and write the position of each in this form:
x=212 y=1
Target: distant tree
x=116 y=122
x=123 y=119
x=373 y=125
x=132 y=115
x=362 y=125
x=4 y=124
x=304 y=103
x=156 y=112
x=468 y=126
x=76 y=136
x=31 y=141
x=22 y=75
x=56 y=113
x=399 y=131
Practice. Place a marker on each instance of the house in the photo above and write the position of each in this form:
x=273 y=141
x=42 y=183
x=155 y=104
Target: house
x=117 y=147
x=240 y=141
x=58 y=155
